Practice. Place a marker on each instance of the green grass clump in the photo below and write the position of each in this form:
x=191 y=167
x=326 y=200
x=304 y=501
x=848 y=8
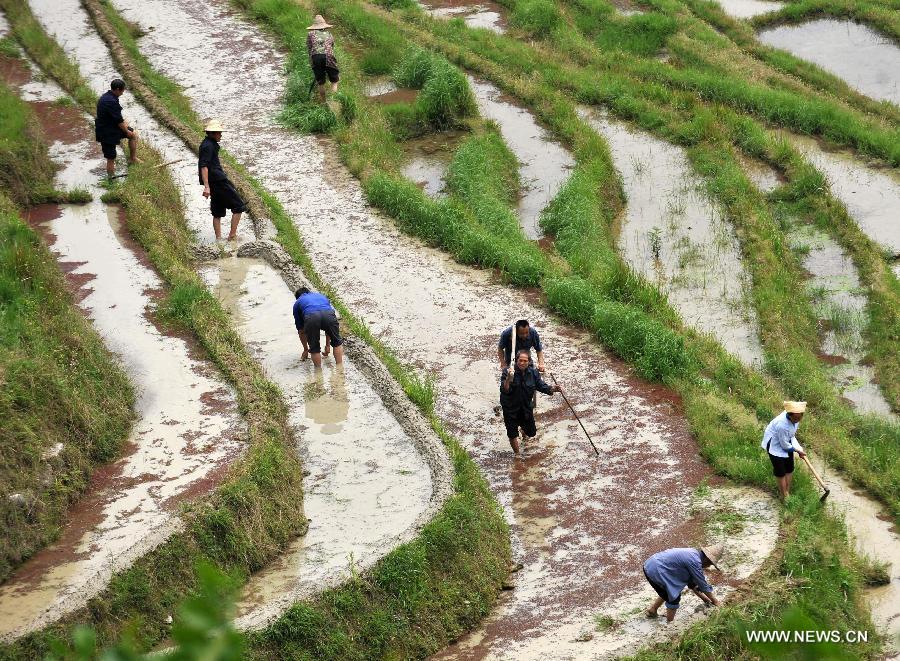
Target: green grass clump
x=536 y=17
x=9 y=48
x=641 y=34
x=25 y=168
x=445 y=97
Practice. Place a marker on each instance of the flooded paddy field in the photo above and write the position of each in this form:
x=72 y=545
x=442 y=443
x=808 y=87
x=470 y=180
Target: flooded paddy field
x=188 y=429
x=861 y=56
x=676 y=238
x=487 y=14
x=749 y=8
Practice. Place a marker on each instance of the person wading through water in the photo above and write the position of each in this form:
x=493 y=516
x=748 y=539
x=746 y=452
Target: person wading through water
x=320 y=46
x=779 y=441
x=527 y=338
x=216 y=186
x=670 y=571
x=110 y=127
x=517 y=393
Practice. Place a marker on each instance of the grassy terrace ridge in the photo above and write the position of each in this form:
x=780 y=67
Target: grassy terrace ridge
x=58 y=381
x=629 y=316
x=727 y=404
x=258 y=508
x=424 y=593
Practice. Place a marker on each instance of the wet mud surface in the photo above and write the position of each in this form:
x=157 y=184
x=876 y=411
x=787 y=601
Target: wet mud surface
x=871 y=194
x=877 y=537
x=69 y=24
x=749 y=8
x=366 y=483
x=188 y=429
x=864 y=58
x=487 y=14
x=428 y=160
x=674 y=237
x=544 y=164
x=840 y=303
x=576 y=521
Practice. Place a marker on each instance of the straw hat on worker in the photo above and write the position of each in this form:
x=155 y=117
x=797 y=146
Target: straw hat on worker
x=214 y=126
x=319 y=23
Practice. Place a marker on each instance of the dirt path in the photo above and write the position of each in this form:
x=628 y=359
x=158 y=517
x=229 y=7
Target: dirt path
x=576 y=519
x=188 y=429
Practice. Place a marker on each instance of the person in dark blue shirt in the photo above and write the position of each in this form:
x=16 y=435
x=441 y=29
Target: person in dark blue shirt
x=527 y=338
x=518 y=388
x=216 y=185
x=313 y=313
x=110 y=127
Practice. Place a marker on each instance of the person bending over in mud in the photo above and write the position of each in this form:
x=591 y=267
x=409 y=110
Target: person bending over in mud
x=216 y=186
x=527 y=338
x=313 y=313
x=517 y=393
x=780 y=443
x=320 y=45
x=110 y=127
x=670 y=571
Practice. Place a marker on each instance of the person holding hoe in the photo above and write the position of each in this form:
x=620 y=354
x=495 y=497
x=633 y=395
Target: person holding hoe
x=216 y=185
x=518 y=385
x=670 y=571
x=780 y=442
x=320 y=46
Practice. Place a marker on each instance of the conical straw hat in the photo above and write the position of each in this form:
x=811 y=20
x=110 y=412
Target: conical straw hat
x=319 y=23
x=795 y=407
x=214 y=126
x=713 y=552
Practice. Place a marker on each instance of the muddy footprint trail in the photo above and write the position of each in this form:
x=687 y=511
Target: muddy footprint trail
x=368 y=487
x=576 y=523
x=188 y=429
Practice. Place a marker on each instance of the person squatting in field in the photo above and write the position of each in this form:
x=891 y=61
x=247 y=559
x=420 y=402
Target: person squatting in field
x=313 y=313
x=110 y=127
x=518 y=385
x=216 y=186
x=670 y=571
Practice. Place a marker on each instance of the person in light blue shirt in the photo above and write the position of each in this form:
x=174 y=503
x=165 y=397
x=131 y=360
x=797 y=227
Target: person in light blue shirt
x=780 y=442
x=313 y=313
x=672 y=570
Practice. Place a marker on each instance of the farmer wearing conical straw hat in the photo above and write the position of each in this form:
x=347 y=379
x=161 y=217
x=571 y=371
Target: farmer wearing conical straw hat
x=672 y=570
x=780 y=442
x=320 y=45
x=216 y=186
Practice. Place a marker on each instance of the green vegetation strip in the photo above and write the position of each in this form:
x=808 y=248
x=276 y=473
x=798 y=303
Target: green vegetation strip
x=726 y=404
x=421 y=595
x=258 y=508
x=58 y=383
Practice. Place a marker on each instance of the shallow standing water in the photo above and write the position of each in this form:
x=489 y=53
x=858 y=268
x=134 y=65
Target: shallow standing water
x=871 y=195
x=486 y=14
x=861 y=56
x=749 y=8
x=573 y=517
x=544 y=164
x=675 y=237
x=188 y=429
x=366 y=484
x=841 y=306
x=428 y=160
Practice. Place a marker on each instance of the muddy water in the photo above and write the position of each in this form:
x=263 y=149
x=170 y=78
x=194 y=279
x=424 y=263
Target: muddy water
x=366 y=484
x=861 y=56
x=428 y=160
x=188 y=428
x=762 y=175
x=675 y=237
x=574 y=519
x=841 y=306
x=487 y=14
x=543 y=163
x=69 y=24
x=871 y=195
x=878 y=538
x=749 y=8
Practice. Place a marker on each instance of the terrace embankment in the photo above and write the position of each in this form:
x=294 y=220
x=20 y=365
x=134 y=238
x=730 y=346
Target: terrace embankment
x=573 y=516
x=188 y=429
x=864 y=58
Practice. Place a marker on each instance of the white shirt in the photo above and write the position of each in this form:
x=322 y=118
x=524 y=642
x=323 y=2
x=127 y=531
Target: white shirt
x=778 y=439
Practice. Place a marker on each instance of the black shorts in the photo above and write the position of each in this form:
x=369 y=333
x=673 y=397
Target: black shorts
x=321 y=70
x=782 y=466
x=316 y=322
x=222 y=196
x=660 y=590
x=522 y=419
x=109 y=148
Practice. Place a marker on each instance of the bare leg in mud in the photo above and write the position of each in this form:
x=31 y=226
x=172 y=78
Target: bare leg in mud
x=132 y=148
x=235 y=221
x=217 y=228
x=784 y=485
